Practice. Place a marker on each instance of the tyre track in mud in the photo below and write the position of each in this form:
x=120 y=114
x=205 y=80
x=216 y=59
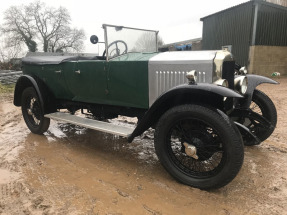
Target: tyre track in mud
x=71 y=170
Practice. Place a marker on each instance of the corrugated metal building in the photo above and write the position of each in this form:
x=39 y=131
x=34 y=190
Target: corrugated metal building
x=255 y=31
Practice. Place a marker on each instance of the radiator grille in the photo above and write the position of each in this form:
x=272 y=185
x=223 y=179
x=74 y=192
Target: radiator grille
x=228 y=72
x=166 y=80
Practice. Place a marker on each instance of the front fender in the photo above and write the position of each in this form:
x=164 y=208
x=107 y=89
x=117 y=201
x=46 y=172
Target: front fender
x=208 y=94
x=253 y=82
x=201 y=88
x=22 y=83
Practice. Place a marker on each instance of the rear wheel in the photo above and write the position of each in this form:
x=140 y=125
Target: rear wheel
x=199 y=146
x=33 y=113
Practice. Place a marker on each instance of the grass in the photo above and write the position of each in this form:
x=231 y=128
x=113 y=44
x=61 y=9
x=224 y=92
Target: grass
x=7 y=88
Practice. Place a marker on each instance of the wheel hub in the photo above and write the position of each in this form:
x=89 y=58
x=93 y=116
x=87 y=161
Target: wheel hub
x=29 y=111
x=201 y=146
x=190 y=150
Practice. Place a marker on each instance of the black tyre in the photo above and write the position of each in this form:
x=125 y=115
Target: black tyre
x=264 y=106
x=33 y=113
x=218 y=143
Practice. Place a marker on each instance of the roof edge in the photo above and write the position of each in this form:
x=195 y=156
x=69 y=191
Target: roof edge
x=248 y=2
x=227 y=9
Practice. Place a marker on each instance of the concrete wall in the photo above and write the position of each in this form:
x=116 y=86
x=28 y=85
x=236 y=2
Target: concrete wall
x=264 y=60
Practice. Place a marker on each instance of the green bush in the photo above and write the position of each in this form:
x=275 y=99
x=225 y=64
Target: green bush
x=7 y=88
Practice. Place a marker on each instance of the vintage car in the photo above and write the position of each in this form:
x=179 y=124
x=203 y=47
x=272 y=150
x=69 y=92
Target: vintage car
x=202 y=105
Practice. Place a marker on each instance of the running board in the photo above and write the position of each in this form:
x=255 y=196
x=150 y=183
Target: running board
x=92 y=124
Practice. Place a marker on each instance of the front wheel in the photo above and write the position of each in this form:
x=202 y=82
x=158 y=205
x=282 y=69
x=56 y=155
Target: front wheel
x=33 y=113
x=199 y=146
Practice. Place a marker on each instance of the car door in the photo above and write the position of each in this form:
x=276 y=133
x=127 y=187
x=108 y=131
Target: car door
x=128 y=83
x=53 y=77
x=86 y=80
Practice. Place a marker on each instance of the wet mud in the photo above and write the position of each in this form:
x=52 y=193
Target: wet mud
x=73 y=170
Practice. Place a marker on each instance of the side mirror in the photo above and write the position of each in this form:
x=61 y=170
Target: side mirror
x=94 y=39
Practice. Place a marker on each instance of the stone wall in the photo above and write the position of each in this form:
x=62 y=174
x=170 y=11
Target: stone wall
x=264 y=60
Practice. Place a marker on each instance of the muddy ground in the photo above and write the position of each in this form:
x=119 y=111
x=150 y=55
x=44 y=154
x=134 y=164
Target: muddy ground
x=72 y=170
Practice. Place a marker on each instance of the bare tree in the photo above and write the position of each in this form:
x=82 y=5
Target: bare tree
x=19 y=27
x=159 y=41
x=49 y=21
x=67 y=40
x=9 y=52
x=49 y=25
x=147 y=42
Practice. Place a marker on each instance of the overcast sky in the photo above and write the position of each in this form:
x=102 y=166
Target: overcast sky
x=176 y=20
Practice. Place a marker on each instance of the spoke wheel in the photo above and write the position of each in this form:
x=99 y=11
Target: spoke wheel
x=199 y=134
x=262 y=105
x=33 y=113
x=210 y=135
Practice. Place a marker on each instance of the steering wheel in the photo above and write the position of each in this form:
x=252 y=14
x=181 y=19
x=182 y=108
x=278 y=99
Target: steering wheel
x=116 y=49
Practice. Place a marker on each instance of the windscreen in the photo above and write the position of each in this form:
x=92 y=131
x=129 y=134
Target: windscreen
x=121 y=40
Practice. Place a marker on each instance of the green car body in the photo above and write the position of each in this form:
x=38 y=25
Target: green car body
x=122 y=81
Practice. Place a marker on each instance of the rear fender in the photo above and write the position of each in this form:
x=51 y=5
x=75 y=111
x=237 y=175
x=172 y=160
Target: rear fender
x=253 y=82
x=22 y=83
x=208 y=94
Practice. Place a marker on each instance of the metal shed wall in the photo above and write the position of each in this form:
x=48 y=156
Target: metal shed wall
x=230 y=27
x=271 y=27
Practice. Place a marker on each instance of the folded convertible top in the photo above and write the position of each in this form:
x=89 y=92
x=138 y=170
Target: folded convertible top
x=44 y=60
